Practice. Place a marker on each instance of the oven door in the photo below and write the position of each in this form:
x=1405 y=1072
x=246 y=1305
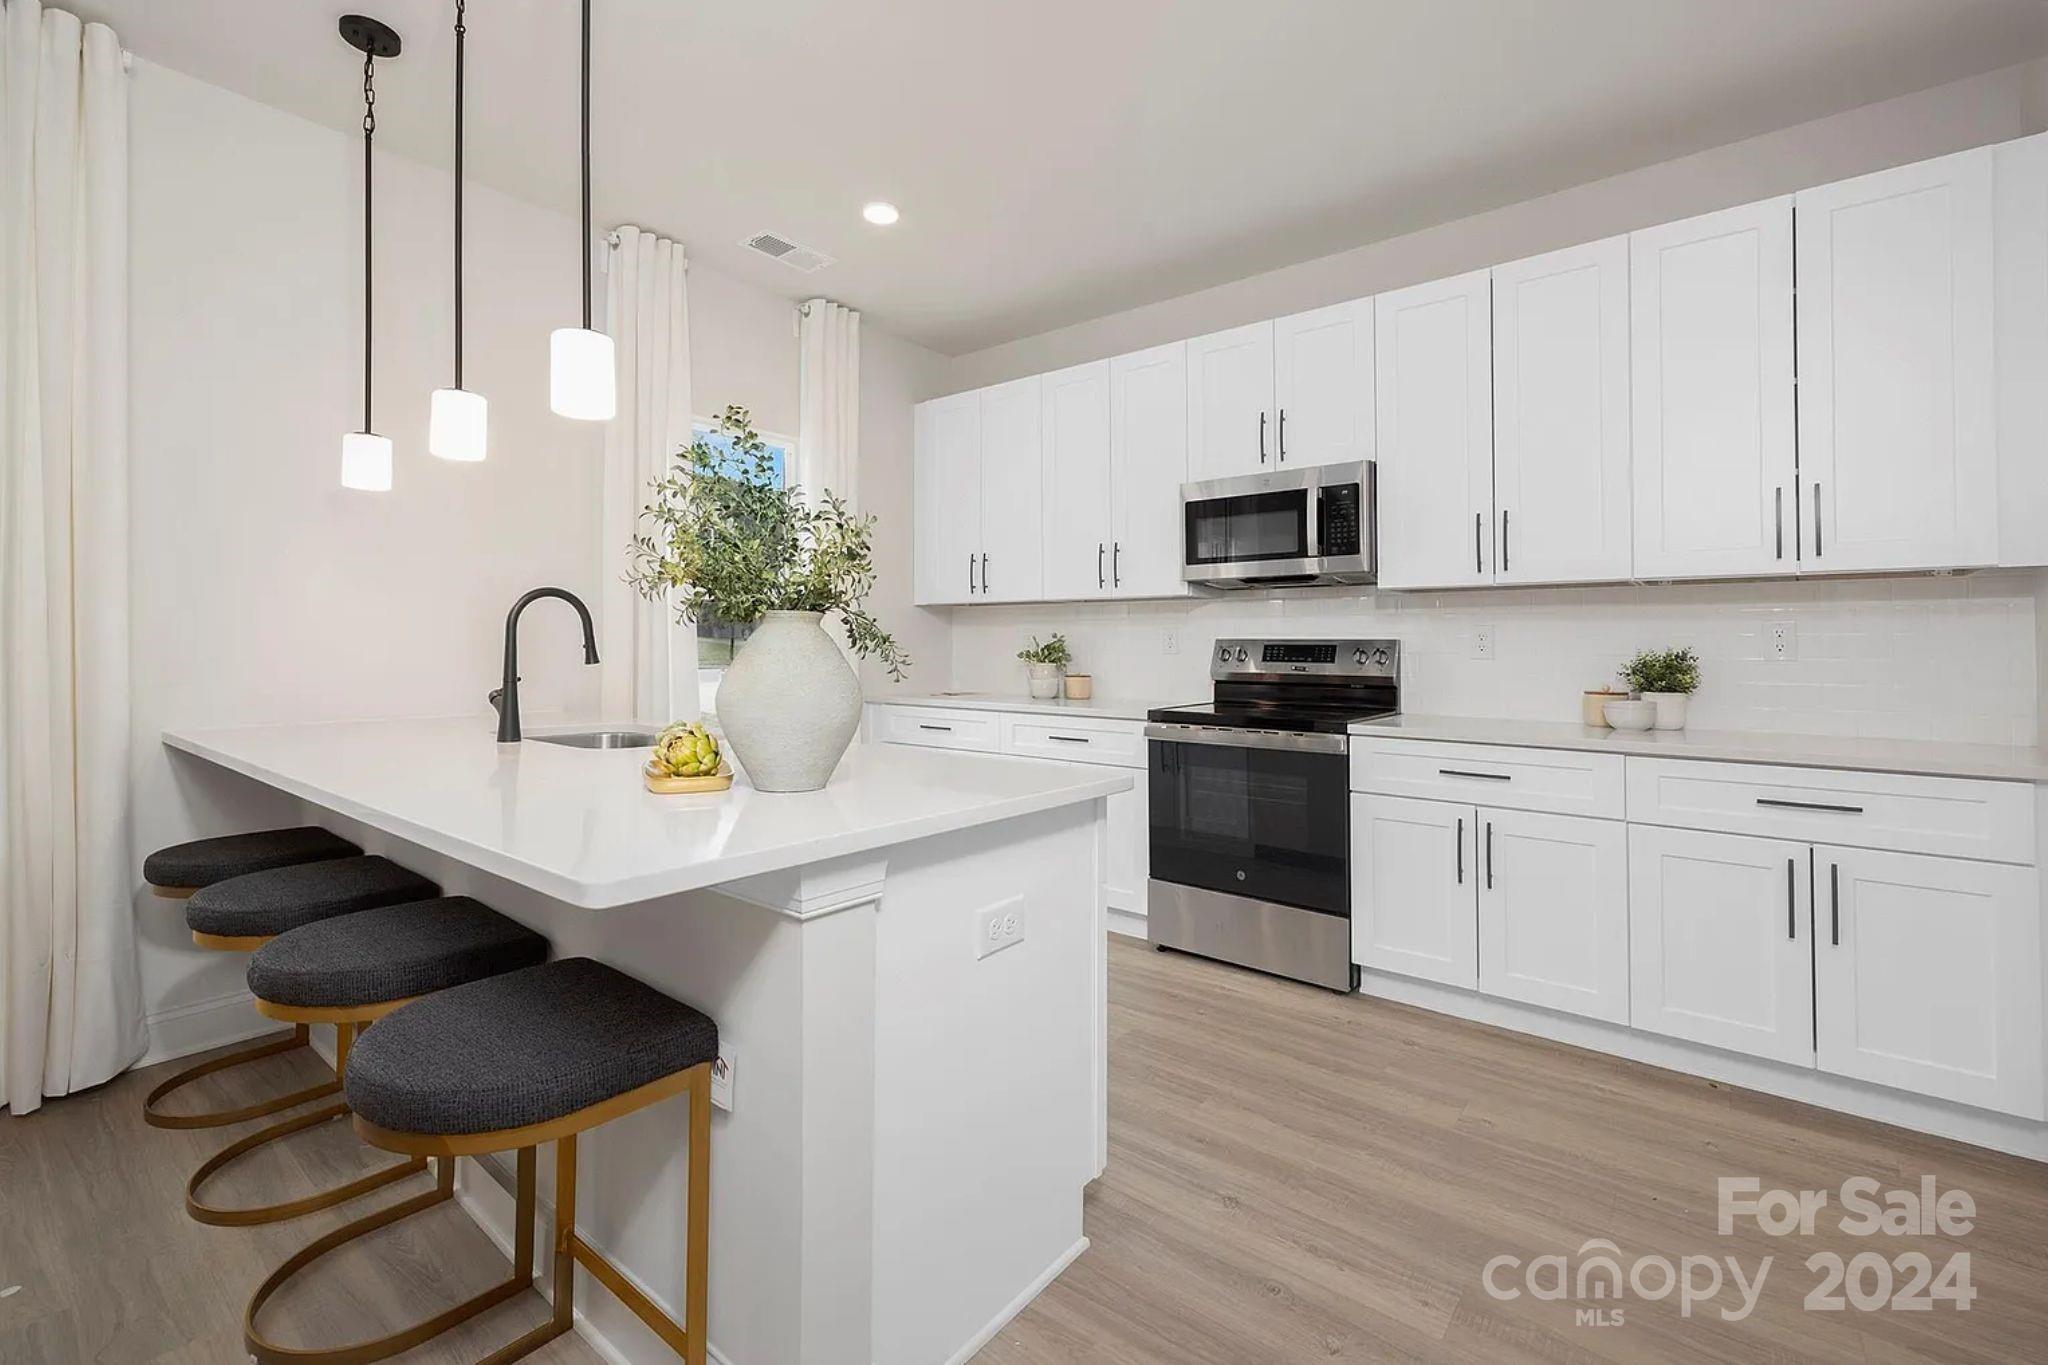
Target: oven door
x=1259 y=814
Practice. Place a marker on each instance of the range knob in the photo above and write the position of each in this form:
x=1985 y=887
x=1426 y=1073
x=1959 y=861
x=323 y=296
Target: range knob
x=1241 y=655
x=1223 y=655
x=1358 y=657
x=1379 y=656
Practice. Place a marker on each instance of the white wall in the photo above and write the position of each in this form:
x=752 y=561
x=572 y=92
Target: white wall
x=265 y=592
x=1951 y=658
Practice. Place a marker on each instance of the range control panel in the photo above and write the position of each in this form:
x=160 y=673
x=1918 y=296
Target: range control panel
x=1324 y=658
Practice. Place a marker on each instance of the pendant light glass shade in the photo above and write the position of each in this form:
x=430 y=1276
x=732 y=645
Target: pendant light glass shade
x=457 y=425
x=366 y=462
x=583 y=380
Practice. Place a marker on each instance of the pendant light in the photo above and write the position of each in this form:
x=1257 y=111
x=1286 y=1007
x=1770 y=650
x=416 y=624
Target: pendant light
x=458 y=420
x=582 y=372
x=366 y=456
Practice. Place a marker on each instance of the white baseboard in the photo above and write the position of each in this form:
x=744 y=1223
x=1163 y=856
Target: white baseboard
x=1980 y=1127
x=202 y=1026
x=1018 y=1304
x=1128 y=923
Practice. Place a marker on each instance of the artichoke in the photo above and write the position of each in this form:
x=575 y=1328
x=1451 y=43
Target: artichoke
x=686 y=749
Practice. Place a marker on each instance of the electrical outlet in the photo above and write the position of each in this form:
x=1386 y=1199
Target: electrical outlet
x=1169 y=640
x=998 y=926
x=721 y=1076
x=1482 y=642
x=1781 y=642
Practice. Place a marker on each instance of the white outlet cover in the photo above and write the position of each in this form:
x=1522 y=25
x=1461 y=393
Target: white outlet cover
x=998 y=926
x=1169 y=640
x=1482 y=642
x=1781 y=641
x=721 y=1076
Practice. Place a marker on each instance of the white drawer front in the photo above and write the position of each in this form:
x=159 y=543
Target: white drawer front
x=1114 y=743
x=938 y=729
x=1957 y=817
x=1559 y=781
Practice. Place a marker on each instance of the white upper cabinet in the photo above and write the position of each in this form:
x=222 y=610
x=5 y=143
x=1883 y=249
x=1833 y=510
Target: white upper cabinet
x=1553 y=912
x=1927 y=976
x=1074 y=435
x=947 y=519
x=2020 y=169
x=1715 y=478
x=1897 y=423
x=1148 y=456
x=1561 y=415
x=1012 y=565
x=1322 y=385
x=1230 y=421
x=1433 y=352
x=1721 y=941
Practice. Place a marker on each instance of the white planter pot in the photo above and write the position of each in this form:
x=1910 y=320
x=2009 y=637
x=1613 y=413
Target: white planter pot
x=1670 y=709
x=789 y=704
x=1044 y=680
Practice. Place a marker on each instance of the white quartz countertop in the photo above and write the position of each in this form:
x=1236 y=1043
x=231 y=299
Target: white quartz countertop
x=1102 y=708
x=577 y=825
x=1998 y=761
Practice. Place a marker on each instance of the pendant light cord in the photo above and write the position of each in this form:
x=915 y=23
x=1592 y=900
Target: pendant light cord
x=461 y=32
x=586 y=165
x=369 y=132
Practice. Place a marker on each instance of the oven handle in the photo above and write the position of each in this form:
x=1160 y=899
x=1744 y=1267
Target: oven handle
x=1304 y=743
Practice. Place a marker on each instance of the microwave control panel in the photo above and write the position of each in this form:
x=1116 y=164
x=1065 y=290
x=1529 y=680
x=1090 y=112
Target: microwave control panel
x=1337 y=514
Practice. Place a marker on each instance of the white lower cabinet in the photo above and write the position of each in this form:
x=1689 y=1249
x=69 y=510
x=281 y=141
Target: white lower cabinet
x=1927 y=976
x=1720 y=941
x=1553 y=912
x=1413 y=875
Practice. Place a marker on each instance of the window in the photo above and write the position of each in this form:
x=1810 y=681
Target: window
x=716 y=639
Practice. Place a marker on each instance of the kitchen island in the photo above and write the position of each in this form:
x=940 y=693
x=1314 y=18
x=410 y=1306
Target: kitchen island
x=912 y=1119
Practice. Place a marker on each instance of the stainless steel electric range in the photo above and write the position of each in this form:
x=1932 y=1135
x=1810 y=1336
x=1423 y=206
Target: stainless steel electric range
x=1250 y=805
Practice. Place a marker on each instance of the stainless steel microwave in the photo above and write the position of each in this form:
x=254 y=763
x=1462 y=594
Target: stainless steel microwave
x=1292 y=528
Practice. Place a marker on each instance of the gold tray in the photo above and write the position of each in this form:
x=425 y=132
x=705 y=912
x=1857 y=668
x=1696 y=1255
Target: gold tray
x=672 y=786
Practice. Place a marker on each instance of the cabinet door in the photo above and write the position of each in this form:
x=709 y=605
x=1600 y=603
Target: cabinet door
x=1897 y=432
x=1148 y=460
x=1412 y=896
x=1012 y=565
x=1322 y=385
x=1721 y=941
x=1553 y=912
x=1560 y=415
x=1230 y=403
x=1927 y=976
x=1130 y=833
x=1433 y=350
x=947 y=529
x=1715 y=486
x=1075 y=440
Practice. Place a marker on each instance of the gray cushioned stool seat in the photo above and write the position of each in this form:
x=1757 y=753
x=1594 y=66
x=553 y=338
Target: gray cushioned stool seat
x=261 y=903
x=391 y=953
x=522 y=1048
x=202 y=862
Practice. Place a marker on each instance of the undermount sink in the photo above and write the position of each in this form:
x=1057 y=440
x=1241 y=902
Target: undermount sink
x=600 y=739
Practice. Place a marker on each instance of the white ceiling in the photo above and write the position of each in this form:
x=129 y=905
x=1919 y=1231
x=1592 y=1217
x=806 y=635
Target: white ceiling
x=1061 y=159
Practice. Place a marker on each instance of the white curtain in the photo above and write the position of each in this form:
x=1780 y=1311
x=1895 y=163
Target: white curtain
x=70 y=999
x=828 y=397
x=650 y=657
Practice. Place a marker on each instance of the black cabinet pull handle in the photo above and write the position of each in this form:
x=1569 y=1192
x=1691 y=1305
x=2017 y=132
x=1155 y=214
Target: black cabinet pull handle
x=1778 y=518
x=1490 y=777
x=1283 y=433
x=1478 y=553
x=1069 y=739
x=984 y=573
x=1835 y=903
x=1116 y=564
x=1817 y=551
x=944 y=729
x=1099 y=551
x=1777 y=804
x=1489 y=855
x=1791 y=898
x=1461 y=850
x=970 y=573
x=1503 y=541
x=1262 y=437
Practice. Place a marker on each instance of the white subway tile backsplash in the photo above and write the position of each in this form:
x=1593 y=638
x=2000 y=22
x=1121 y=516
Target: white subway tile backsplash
x=1951 y=658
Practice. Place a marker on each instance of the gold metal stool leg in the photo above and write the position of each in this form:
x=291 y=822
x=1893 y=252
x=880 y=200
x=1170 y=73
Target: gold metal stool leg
x=219 y=1216
x=299 y=1037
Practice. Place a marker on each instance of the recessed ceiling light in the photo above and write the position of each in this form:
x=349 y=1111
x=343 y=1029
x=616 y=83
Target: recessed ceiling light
x=880 y=213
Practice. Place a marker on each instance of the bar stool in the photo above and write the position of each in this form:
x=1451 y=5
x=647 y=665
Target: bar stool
x=177 y=872
x=505 y=1064
x=347 y=971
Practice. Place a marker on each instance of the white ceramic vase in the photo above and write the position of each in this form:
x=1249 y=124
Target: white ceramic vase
x=1044 y=680
x=789 y=704
x=1670 y=709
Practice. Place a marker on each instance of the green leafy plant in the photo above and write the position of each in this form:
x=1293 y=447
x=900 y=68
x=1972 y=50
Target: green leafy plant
x=1053 y=651
x=720 y=539
x=1663 y=670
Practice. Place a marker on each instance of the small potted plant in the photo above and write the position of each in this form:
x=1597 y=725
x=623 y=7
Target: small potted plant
x=1044 y=663
x=1666 y=677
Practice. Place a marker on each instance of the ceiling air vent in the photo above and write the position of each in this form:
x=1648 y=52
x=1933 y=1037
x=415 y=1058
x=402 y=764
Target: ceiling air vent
x=789 y=253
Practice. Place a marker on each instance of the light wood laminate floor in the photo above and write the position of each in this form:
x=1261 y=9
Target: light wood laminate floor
x=1294 y=1176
